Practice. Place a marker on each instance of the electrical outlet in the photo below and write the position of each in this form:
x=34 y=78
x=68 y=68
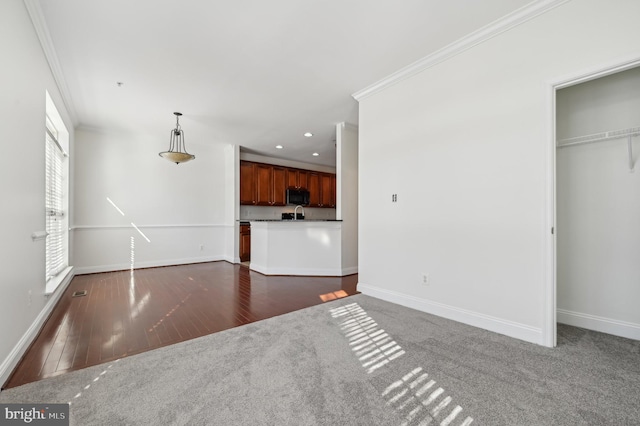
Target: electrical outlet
x=425 y=279
x=201 y=247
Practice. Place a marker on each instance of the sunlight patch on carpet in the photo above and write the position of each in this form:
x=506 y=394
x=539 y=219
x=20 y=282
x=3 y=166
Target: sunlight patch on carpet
x=373 y=346
x=415 y=396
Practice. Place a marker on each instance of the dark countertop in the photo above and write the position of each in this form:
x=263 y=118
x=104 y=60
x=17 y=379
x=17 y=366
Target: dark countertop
x=288 y=220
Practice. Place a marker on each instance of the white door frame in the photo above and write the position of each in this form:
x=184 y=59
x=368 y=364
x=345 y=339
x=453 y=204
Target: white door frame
x=549 y=337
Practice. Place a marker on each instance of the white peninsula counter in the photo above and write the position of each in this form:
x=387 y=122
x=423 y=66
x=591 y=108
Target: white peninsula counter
x=297 y=247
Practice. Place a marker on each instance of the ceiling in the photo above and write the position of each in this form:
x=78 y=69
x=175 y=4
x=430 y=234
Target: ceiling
x=252 y=73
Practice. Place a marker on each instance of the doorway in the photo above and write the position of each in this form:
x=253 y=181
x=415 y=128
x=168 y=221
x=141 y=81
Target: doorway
x=597 y=201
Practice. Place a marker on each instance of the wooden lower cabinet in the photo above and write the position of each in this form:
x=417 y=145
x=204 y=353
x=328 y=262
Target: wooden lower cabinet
x=245 y=243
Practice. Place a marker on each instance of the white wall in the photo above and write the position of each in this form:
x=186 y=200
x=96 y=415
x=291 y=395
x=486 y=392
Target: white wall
x=181 y=209
x=247 y=156
x=232 y=205
x=598 y=207
x=347 y=193
x=24 y=77
x=465 y=144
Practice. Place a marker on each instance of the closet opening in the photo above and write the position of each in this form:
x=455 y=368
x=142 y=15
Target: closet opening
x=597 y=202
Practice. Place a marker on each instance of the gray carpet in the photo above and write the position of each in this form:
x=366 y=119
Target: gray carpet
x=357 y=361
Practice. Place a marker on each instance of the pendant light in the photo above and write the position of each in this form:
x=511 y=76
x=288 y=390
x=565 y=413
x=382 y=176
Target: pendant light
x=177 y=152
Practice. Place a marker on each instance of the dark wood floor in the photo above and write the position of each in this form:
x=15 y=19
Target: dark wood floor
x=126 y=313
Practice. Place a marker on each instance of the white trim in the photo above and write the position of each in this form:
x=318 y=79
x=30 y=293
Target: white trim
x=198 y=225
x=40 y=25
x=18 y=351
x=305 y=272
x=349 y=126
x=479 y=36
x=149 y=264
x=476 y=319
x=593 y=73
x=349 y=271
x=626 y=329
x=62 y=279
x=549 y=334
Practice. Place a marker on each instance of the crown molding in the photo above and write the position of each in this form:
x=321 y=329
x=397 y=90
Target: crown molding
x=485 y=33
x=40 y=25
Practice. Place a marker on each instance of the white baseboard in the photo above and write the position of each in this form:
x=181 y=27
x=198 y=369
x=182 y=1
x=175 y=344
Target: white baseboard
x=295 y=271
x=476 y=319
x=349 y=271
x=232 y=259
x=18 y=351
x=605 y=325
x=150 y=264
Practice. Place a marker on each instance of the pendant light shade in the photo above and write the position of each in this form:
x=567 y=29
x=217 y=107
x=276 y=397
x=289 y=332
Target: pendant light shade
x=177 y=152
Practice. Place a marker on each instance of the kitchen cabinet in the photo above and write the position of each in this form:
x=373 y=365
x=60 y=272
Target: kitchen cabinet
x=327 y=190
x=262 y=184
x=313 y=185
x=322 y=189
x=279 y=186
x=297 y=178
x=266 y=184
x=303 y=179
x=247 y=183
x=245 y=243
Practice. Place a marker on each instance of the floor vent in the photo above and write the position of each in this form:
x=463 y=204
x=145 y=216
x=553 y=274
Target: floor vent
x=79 y=293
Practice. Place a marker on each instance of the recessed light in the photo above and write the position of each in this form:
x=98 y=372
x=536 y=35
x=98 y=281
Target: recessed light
x=308 y=134
x=315 y=154
x=279 y=146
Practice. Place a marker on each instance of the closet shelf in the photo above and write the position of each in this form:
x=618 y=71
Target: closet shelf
x=598 y=137
x=605 y=136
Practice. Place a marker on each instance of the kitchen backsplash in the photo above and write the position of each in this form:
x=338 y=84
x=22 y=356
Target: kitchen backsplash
x=264 y=212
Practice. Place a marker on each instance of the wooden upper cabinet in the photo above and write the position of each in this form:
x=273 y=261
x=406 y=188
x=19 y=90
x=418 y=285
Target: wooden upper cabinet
x=247 y=183
x=270 y=185
x=327 y=190
x=264 y=184
x=334 y=187
x=313 y=185
x=297 y=178
x=279 y=186
x=292 y=178
x=303 y=181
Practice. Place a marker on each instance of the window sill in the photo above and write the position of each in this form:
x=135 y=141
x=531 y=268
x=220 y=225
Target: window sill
x=55 y=282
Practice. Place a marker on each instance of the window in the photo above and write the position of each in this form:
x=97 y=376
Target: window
x=56 y=198
x=55 y=259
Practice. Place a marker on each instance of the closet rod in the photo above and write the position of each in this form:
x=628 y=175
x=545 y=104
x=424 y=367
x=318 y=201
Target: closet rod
x=598 y=137
x=605 y=136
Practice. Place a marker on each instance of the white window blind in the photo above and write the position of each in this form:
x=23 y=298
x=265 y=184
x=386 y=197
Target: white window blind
x=55 y=253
